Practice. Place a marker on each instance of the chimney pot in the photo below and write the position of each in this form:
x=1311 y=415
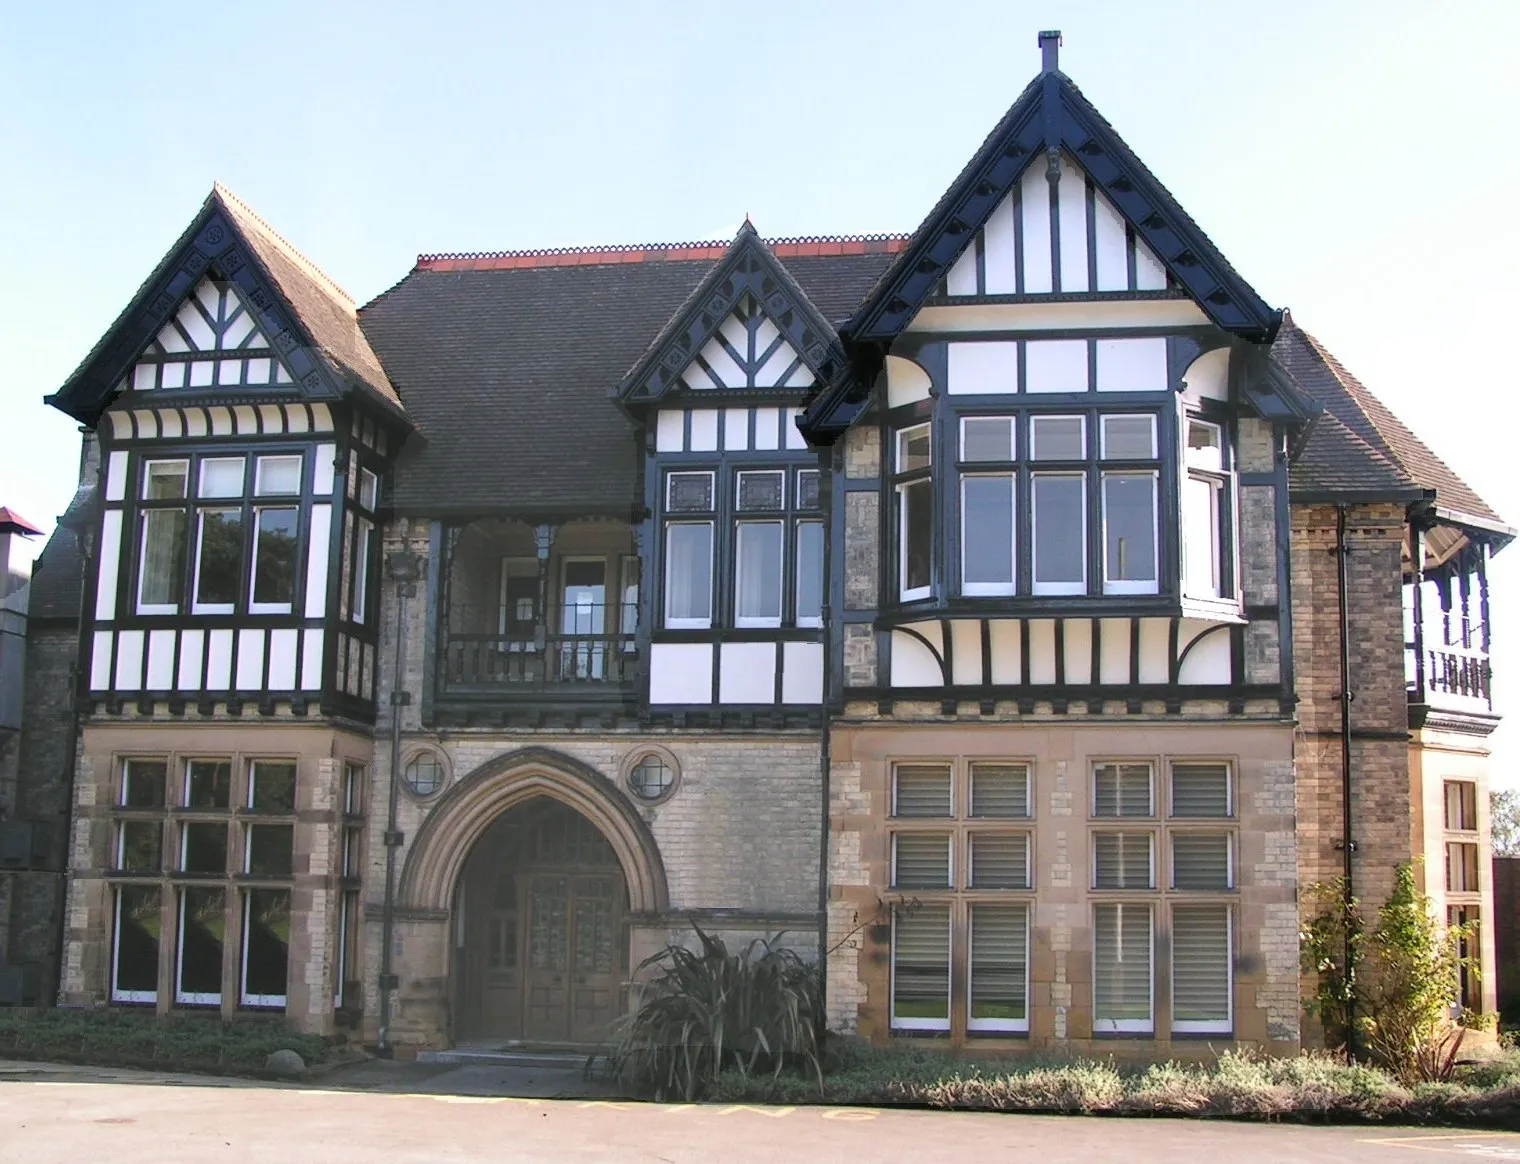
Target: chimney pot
x=1050 y=51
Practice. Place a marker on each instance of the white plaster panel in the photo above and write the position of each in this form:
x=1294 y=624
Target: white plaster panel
x=980 y=368
x=1076 y=641
x=1110 y=246
x=1000 y=260
x=1113 y=650
x=323 y=471
x=1208 y=377
x=794 y=437
x=121 y=425
x=321 y=415
x=169 y=424
x=201 y=373
x=1044 y=315
x=767 y=428
x=1150 y=274
x=704 y=430
x=736 y=429
x=272 y=416
x=1042 y=650
x=311 y=659
x=1007 y=660
x=282 y=658
x=1055 y=366
x=908 y=381
x=802 y=673
x=1071 y=205
x=966 y=652
x=142 y=377
x=670 y=431
x=319 y=540
x=1155 y=660
x=172 y=376
x=747 y=673
x=1034 y=205
x=250 y=659
x=100 y=661
x=246 y=419
x=770 y=373
x=195 y=422
x=724 y=372
x=192 y=652
x=129 y=660
x=295 y=417
x=913 y=664
x=221 y=420
x=1132 y=365
x=680 y=673
x=219 y=660
x=160 y=660
x=1209 y=659
x=147 y=423
x=110 y=562
x=962 y=277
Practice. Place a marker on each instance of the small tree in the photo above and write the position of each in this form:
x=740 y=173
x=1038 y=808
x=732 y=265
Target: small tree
x=1330 y=947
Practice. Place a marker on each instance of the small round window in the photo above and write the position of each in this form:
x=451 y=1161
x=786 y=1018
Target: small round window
x=424 y=774
x=651 y=778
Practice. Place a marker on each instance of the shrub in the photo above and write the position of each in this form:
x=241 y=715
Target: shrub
x=709 y=1010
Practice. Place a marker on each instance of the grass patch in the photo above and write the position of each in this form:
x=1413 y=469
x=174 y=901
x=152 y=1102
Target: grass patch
x=111 y=1037
x=1236 y=1085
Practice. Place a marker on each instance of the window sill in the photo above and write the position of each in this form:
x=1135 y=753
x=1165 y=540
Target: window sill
x=1035 y=606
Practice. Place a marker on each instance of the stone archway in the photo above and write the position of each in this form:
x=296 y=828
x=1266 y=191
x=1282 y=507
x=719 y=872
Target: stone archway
x=444 y=842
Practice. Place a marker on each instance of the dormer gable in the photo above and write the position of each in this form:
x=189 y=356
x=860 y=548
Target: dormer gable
x=747 y=327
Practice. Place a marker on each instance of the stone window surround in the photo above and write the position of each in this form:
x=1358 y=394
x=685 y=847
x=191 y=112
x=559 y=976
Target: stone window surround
x=633 y=758
x=416 y=750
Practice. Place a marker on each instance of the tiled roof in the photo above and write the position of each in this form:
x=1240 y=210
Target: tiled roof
x=1358 y=444
x=13 y=522
x=507 y=368
x=324 y=309
x=810 y=246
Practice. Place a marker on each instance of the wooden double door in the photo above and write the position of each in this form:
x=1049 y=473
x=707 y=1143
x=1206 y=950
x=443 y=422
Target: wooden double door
x=541 y=938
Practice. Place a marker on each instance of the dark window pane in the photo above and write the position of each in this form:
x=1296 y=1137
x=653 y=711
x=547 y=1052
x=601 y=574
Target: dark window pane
x=165 y=480
x=205 y=848
x=163 y=558
x=807 y=489
x=690 y=492
x=761 y=490
x=757 y=571
x=1129 y=523
x=1057 y=438
x=219 y=569
x=913 y=449
x=142 y=784
x=272 y=786
x=266 y=946
x=142 y=846
x=202 y=935
x=688 y=572
x=138 y=930
x=917 y=534
x=269 y=850
x=208 y=784
x=1060 y=544
x=274 y=567
x=987 y=508
x=987 y=439
x=809 y=571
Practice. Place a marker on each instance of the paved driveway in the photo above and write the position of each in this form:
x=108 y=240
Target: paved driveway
x=128 y=1117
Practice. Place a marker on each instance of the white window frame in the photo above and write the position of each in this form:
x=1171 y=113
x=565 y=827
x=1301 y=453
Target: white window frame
x=683 y=623
x=1202 y=830
x=924 y=1024
x=269 y=1001
x=364 y=534
x=369 y=490
x=994 y=831
x=949 y=834
x=117 y=994
x=1200 y=761
x=142 y=557
x=1213 y=587
x=1037 y=587
x=809 y=620
x=1011 y=1025
x=196 y=605
x=253 y=563
x=193 y=997
x=900 y=438
x=1103 y=420
x=1013 y=439
x=779 y=522
x=992 y=589
x=1194 y=1026
x=1142 y=585
x=1126 y=1026
x=271 y=460
x=1092 y=789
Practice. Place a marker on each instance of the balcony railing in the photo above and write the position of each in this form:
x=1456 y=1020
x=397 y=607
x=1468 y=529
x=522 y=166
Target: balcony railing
x=1454 y=677
x=587 y=658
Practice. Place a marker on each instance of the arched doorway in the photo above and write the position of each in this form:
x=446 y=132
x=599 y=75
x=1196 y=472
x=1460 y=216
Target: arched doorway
x=540 y=934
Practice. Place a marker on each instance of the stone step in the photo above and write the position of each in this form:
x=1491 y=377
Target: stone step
x=544 y=1058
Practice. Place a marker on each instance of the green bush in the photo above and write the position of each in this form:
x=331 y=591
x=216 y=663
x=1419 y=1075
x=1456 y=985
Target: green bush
x=707 y=1011
x=118 y=1037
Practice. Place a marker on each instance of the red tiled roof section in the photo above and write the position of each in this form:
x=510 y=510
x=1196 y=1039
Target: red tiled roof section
x=13 y=522
x=783 y=248
x=1368 y=418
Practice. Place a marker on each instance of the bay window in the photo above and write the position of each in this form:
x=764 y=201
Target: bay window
x=1205 y=495
x=915 y=512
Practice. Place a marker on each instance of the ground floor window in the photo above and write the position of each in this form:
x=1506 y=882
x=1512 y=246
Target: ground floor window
x=1202 y=958
x=1122 y=968
x=921 y=968
x=134 y=951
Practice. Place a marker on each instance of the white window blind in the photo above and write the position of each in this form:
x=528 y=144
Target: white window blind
x=921 y=968
x=1000 y=790
x=1201 y=968
x=1201 y=790
x=921 y=861
x=1122 y=861
x=999 y=860
x=1122 y=790
x=1122 y=967
x=1201 y=861
x=999 y=968
x=921 y=790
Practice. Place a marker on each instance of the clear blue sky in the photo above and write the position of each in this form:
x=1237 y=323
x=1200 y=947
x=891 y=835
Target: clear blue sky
x=1354 y=161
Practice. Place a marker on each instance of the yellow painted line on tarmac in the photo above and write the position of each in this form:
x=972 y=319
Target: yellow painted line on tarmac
x=1501 y=1145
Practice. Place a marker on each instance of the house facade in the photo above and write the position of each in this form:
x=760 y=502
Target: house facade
x=963 y=604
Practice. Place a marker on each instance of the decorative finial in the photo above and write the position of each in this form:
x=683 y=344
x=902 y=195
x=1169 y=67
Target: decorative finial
x=1050 y=51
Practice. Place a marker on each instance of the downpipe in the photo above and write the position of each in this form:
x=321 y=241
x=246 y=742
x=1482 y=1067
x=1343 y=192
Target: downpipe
x=1347 y=844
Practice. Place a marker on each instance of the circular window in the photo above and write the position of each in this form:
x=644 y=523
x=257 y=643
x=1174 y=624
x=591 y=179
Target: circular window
x=652 y=777
x=424 y=774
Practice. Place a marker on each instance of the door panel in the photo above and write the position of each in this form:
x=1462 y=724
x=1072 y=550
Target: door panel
x=548 y=958
x=597 y=975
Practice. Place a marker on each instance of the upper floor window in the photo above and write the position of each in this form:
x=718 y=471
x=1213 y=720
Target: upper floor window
x=744 y=547
x=234 y=521
x=915 y=511
x=1204 y=500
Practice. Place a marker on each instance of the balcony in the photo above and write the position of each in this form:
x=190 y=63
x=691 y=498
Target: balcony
x=536 y=617
x=1447 y=668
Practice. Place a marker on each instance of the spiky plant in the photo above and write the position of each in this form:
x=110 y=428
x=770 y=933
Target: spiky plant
x=707 y=1010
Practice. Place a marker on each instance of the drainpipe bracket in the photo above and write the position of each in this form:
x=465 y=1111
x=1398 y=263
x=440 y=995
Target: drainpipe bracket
x=394 y=838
